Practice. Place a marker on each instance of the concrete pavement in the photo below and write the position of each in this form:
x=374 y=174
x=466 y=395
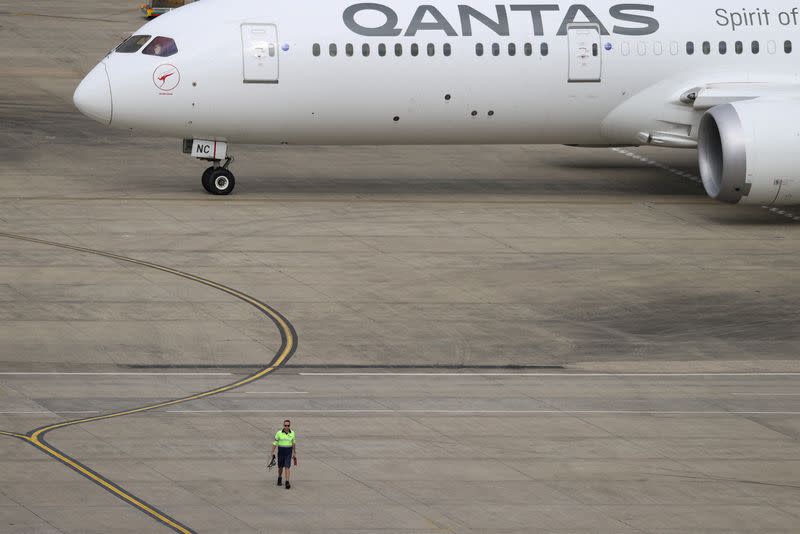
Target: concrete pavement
x=437 y=265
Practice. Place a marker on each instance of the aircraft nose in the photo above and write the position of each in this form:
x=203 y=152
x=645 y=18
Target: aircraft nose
x=93 y=95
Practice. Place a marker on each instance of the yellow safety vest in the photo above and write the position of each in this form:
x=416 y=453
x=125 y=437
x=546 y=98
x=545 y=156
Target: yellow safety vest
x=282 y=439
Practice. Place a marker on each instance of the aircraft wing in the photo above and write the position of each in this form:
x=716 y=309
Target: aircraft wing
x=668 y=114
x=714 y=94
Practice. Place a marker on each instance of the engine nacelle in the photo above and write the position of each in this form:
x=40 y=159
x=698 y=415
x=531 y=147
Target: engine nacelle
x=749 y=152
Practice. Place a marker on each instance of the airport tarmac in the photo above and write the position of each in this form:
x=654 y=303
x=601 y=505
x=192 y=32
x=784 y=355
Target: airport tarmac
x=467 y=339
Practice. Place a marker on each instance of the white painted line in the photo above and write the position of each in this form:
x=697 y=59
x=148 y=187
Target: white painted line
x=697 y=179
x=510 y=412
x=276 y=392
x=55 y=373
x=767 y=394
x=47 y=412
x=657 y=164
x=608 y=375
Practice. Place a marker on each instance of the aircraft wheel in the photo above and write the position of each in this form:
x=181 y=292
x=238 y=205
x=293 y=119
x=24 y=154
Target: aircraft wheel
x=221 y=181
x=207 y=179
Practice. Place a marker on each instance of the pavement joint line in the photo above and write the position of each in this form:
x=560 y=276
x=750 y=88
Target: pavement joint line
x=62 y=17
x=36 y=437
x=767 y=394
x=697 y=179
x=561 y=375
x=257 y=201
x=362 y=367
x=511 y=412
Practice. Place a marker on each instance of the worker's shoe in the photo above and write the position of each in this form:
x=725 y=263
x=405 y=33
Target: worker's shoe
x=280 y=481
x=288 y=485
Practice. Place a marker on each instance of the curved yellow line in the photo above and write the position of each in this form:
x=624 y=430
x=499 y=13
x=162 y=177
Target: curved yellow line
x=35 y=438
x=285 y=329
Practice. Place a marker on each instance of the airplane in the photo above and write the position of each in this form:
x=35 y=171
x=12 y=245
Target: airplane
x=677 y=73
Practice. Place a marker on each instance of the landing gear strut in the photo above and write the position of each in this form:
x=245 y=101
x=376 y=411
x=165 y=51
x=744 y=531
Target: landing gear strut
x=218 y=180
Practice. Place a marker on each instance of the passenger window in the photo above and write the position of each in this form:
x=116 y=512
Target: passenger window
x=739 y=47
x=689 y=48
x=787 y=47
x=512 y=49
x=365 y=50
x=348 y=50
x=641 y=48
x=381 y=49
x=479 y=49
x=706 y=47
x=528 y=49
x=723 y=47
x=332 y=49
x=398 y=49
x=316 y=50
x=658 y=48
x=161 y=47
x=771 y=47
x=446 y=49
x=625 y=48
x=495 y=49
x=415 y=49
x=544 y=49
x=132 y=44
x=755 y=47
x=431 y=49
x=674 y=48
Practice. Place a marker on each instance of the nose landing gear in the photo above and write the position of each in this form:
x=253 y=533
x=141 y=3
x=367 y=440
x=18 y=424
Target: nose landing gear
x=218 y=180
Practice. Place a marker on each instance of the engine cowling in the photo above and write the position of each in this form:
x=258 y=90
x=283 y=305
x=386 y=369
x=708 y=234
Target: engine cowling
x=749 y=152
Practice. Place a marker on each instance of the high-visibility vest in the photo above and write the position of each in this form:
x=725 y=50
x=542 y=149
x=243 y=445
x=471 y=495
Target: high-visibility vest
x=283 y=439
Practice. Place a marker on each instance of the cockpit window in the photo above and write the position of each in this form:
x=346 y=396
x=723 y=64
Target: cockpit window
x=132 y=44
x=161 y=47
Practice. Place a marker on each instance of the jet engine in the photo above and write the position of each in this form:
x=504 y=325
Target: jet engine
x=749 y=152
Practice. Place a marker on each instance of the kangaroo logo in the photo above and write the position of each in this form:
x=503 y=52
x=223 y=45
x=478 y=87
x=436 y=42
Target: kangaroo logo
x=166 y=77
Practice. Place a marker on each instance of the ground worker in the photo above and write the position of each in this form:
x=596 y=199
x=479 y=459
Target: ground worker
x=285 y=443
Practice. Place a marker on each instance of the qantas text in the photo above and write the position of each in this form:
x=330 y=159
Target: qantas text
x=626 y=19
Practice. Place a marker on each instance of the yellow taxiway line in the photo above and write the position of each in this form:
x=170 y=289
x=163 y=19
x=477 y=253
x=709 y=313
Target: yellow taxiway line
x=36 y=437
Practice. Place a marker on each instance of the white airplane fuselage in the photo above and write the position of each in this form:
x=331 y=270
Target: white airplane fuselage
x=610 y=72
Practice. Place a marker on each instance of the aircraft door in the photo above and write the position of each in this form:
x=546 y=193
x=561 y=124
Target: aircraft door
x=260 y=53
x=585 y=59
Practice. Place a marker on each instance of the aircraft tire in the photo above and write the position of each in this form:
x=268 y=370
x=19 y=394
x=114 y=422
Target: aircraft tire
x=206 y=180
x=221 y=182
